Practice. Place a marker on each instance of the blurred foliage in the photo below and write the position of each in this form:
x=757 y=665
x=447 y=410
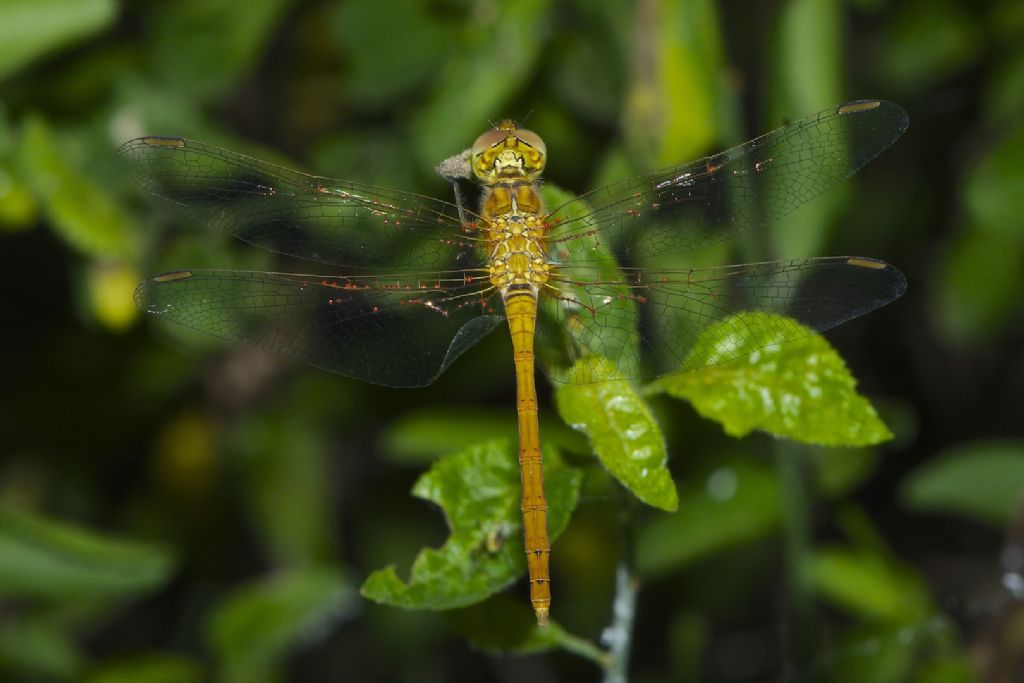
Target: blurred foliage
x=175 y=511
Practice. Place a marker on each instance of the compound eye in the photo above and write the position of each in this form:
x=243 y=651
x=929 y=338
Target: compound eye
x=532 y=139
x=488 y=140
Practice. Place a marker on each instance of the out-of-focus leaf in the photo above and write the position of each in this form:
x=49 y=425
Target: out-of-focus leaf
x=868 y=585
x=478 y=489
x=33 y=647
x=622 y=431
x=379 y=74
x=505 y=624
x=81 y=213
x=18 y=207
x=110 y=289
x=1004 y=93
x=927 y=41
x=54 y=560
x=981 y=480
x=588 y=63
x=148 y=668
x=224 y=40
x=254 y=628
x=283 y=461
x=979 y=287
x=800 y=389
x=423 y=434
x=30 y=29
x=992 y=190
x=736 y=503
x=678 y=68
x=840 y=470
x=806 y=76
x=493 y=58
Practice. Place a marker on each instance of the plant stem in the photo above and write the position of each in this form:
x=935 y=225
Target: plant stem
x=619 y=634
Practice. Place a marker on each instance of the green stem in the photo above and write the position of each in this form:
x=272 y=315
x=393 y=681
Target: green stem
x=619 y=634
x=800 y=640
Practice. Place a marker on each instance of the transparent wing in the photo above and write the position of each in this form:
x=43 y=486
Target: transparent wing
x=331 y=221
x=400 y=331
x=720 y=196
x=649 y=322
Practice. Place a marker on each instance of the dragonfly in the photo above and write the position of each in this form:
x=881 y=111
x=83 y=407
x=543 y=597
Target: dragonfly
x=595 y=289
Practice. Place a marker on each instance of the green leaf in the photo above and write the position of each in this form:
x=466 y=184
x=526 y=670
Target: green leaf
x=502 y=41
x=927 y=42
x=253 y=629
x=869 y=585
x=992 y=190
x=980 y=480
x=736 y=503
x=622 y=431
x=80 y=212
x=981 y=279
x=800 y=389
x=230 y=34
x=54 y=560
x=503 y=624
x=806 y=75
x=423 y=434
x=478 y=489
x=681 y=71
x=156 y=667
x=281 y=456
x=38 y=648
x=33 y=28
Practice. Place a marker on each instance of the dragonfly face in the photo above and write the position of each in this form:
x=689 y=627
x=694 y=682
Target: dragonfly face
x=411 y=282
x=508 y=152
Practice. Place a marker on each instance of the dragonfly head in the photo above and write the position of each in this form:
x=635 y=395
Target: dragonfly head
x=508 y=152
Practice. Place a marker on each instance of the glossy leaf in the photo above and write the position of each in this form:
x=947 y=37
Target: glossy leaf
x=623 y=433
x=478 y=489
x=82 y=214
x=868 y=585
x=33 y=28
x=980 y=480
x=254 y=628
x=800 y=390
x=54 y=560
x=735 y=503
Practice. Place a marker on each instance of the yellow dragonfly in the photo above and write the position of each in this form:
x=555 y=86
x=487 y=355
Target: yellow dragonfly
x=412 y=282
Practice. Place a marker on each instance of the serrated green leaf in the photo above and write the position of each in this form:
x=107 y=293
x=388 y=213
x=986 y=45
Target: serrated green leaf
x=79 y=211
x=800 y=390
x=255 y=627
x=478 y=489
x=33 y=28
x=504 y=624
x=868 y=585
x=980 y=480
x=156 y=667
x=736 y=503
x=54 y=560
x=622 y=431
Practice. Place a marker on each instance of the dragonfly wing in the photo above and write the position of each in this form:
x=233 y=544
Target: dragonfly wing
x=320 y=219
x=715 y=198
x=397 y=331
x=649 y=323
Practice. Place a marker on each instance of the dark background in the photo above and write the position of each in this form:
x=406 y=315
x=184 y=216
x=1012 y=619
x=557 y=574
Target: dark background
x=246 y=468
